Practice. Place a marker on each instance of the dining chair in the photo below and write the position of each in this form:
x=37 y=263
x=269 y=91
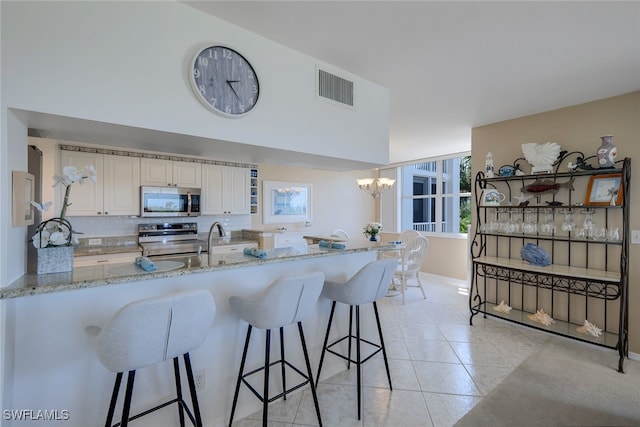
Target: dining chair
x=413 y=256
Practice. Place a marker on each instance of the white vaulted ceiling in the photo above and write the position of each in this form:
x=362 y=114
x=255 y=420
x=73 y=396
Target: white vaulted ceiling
x=451 y=66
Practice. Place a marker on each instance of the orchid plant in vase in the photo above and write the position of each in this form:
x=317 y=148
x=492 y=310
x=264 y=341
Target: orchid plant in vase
x=372 y=230
x=58 y=231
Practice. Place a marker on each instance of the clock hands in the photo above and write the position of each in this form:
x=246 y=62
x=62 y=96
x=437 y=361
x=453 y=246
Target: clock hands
x=232 y=88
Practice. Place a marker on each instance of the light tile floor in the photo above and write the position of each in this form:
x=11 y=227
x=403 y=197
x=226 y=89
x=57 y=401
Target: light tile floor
x=440 y=365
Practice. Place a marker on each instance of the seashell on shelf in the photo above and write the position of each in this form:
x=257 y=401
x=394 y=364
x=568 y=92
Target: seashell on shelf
x=541 y=156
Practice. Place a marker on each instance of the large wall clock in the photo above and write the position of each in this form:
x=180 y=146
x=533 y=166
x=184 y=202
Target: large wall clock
x=224 y=81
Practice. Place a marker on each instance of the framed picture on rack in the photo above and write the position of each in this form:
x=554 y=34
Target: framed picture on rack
x=604 y=190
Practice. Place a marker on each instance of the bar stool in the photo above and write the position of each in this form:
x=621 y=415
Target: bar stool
x=367 y=286
x=288 y=300
x=151 y=331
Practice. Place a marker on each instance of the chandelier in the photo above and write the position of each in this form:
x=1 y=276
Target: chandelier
x=375 y=186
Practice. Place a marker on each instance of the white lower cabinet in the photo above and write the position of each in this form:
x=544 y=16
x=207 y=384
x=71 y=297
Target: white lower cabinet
x=223 y=249
x=92 y=260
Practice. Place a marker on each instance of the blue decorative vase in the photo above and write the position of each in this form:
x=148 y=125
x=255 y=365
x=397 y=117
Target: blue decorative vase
x=373 y=238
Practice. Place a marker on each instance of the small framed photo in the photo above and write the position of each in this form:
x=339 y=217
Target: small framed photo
x=604 y=190
x=22 y=194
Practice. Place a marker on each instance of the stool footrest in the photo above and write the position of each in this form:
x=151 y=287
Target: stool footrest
x=377 y=347
x=160 y=406
x=287 y=391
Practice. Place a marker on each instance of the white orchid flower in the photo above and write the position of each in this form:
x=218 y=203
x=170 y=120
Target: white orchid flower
x=58 y=238
x=72 y=174
x=41 y=239
x=92 y=174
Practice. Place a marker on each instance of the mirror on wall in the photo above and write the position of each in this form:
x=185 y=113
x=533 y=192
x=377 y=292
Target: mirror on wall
x=286 y=202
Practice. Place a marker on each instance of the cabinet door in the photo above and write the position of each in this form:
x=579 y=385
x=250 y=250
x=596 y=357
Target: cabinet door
x=187 y=174
x=86 y=198
x=237 y=192
x=225 y=190
x=212 y=190
x=156 y=172
x=121 y=185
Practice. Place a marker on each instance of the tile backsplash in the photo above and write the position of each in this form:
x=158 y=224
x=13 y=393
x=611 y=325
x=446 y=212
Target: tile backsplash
x=128 y=226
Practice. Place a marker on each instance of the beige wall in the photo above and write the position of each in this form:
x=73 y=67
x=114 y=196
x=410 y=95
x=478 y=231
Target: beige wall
x=337 y=200
x=578 y=128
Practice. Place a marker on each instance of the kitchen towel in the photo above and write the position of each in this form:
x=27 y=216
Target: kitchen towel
x=331 y=245
x=145 y=263
x=255 y=252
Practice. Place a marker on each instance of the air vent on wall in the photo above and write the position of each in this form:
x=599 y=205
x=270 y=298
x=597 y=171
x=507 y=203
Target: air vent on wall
x=335 y=88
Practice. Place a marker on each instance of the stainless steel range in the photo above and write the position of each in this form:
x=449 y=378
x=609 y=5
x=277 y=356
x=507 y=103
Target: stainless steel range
x=170 y=239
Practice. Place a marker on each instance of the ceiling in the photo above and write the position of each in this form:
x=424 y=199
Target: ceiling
x=451 y=66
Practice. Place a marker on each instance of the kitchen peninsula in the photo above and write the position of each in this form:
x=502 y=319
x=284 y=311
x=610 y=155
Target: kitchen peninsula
x=48 y=314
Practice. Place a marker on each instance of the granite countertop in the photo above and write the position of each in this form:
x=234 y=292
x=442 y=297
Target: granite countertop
x=169 y=266
x=129 y=246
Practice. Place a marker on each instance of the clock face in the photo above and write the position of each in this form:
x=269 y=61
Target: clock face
x=224 y=81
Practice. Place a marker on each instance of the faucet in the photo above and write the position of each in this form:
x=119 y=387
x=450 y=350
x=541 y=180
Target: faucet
x=221 y=232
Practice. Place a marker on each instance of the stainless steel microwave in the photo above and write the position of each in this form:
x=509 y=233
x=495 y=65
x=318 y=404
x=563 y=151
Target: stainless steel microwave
x=169 y=201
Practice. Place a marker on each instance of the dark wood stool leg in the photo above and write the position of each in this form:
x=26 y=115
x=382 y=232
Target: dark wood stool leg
x=240 y=372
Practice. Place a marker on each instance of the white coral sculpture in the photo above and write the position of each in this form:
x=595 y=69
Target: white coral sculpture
x=502 y=307
x=541 y=156
x=589 y=328
x=541 y=317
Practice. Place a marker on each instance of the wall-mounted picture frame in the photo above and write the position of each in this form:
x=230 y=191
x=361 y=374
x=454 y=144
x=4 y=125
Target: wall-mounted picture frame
x=604 y=190
x=23 y=191
x=286 y=202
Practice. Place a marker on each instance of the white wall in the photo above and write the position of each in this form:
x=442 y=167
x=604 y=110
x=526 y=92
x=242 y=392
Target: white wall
x=126 y=63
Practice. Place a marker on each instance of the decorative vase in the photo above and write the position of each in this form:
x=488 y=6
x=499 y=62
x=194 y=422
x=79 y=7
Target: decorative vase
x=488 y=166
x=373 y=238
x=57 y=259
x=607 y=152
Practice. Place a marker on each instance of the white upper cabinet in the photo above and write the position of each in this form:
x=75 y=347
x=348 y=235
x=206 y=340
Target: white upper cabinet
x=171 y=173
x=225 y=190
x=116 y=192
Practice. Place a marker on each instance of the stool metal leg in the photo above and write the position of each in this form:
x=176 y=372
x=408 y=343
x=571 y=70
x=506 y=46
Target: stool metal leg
x=309 y=373
x=384 y=350
x=326 y=340
x=265 y=396
x=127 y=399
x=284 y=381
x=192 y=390
x=358 y=366
x=350 y=335
x=114 y=399
x=176 y=373
x=241 y=371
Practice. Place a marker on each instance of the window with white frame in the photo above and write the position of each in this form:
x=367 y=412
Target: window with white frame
x=436 y=195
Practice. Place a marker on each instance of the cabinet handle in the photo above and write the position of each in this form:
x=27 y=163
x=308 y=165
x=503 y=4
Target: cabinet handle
x=106 y=213
x=99 y=213
x=102 y=260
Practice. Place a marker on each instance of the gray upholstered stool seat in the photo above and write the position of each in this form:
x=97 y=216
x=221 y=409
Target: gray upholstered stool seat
x=152 y=331
x=288 y=300
x=367 y=286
